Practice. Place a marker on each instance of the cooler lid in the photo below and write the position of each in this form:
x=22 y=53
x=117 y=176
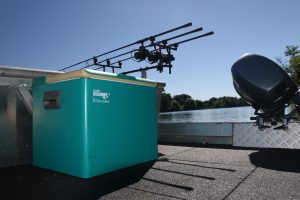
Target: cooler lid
x=89 y=73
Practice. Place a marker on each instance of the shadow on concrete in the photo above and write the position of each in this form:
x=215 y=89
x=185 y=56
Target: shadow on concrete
x=185 y=174
x=160 y=154
x=28 y=182
x=277 y=159
x=183 y=162
x=170 y=184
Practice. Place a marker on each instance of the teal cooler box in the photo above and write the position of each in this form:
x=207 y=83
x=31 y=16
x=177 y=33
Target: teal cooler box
x=87 y=123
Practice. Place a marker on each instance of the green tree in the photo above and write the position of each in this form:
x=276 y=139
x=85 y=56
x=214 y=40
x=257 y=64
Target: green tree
x=189 y=104
x=212 y=102
x=291 y=64
x=175 y=106
x=241 y=102
x=165 y=102
x=185 y=102
x=199 y=104
x=291 y=50
x=181 y=98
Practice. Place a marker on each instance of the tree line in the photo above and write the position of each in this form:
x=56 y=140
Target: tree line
x=291 y=62
x=184 y=102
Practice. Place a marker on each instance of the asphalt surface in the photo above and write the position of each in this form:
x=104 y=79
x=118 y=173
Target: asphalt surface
x=179 y=173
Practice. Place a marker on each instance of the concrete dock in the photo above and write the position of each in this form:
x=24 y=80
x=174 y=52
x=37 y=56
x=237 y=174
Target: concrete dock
x=181 y=172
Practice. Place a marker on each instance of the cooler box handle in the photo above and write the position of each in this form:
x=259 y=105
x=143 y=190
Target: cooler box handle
x=52 y=99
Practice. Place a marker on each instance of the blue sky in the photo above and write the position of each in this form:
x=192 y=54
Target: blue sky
x=54 y=34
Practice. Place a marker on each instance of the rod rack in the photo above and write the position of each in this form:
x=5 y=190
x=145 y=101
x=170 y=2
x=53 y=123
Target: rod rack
x=160 y=53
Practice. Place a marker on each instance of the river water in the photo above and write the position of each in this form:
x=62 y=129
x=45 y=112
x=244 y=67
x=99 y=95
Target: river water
x=236 y=114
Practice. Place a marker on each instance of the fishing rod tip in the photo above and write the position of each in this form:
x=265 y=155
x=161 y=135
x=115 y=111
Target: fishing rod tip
x=188 y=24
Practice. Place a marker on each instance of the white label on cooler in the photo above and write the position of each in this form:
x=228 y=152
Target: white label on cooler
x=100 y=97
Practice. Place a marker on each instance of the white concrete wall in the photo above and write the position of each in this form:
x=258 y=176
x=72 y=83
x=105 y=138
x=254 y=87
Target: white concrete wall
x=239 y=134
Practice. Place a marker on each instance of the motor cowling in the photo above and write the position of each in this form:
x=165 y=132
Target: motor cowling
x=262 y=83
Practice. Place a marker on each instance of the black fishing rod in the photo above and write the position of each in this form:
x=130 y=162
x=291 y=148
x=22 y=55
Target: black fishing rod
x=89 y=65
x=155 y=57
x=160 y=43
x=165 y=41
x=151 y=38
x=190 y=39
x=117 y=62
x=163 y=58
x=158 y=67
x=173 y=46
x=110 y=66
x=167 y=58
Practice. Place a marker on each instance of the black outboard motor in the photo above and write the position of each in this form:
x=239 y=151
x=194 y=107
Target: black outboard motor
x=267 y=88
